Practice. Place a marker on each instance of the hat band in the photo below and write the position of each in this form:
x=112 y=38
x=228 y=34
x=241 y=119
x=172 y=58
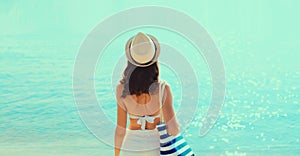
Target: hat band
x=146 y=62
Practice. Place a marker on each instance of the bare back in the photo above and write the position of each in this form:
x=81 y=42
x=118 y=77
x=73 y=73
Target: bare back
x=148 y=104
x=142 y=105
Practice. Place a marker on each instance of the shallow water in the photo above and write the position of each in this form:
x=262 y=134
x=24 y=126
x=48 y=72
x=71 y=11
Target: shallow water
x=260 y=115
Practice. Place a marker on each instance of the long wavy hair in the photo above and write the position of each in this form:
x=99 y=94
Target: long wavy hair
x=138 y=80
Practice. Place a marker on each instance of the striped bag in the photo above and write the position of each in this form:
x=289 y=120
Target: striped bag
x=171 y=145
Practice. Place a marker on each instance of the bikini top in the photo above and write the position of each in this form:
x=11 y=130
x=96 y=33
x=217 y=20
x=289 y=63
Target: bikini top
x=147 y=118
x=142 y=119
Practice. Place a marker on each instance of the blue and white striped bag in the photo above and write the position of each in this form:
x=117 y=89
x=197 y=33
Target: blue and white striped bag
x=171 y=145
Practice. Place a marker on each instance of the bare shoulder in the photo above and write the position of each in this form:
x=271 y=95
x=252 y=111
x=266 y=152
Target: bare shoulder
x=119 y=89
x=167 y=96
x=167 y=89
x=119 y=86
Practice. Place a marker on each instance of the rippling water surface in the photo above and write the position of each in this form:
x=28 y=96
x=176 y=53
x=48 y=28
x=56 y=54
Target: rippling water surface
x=39 y=115
x=260 y=115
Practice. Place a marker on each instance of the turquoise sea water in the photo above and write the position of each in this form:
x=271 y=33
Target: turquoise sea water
x=258 y=42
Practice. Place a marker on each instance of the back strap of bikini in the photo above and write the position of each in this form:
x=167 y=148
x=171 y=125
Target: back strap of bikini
x=161 y=93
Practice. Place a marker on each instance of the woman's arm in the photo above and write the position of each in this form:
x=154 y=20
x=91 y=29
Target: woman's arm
x=169 y=114
x=120 y=129
x=121 y=124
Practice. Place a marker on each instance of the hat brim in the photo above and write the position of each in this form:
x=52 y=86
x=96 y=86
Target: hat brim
x=153 y=60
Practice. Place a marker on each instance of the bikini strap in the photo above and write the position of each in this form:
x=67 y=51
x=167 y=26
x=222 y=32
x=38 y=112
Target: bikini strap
x=143 y=119
x=161 y=93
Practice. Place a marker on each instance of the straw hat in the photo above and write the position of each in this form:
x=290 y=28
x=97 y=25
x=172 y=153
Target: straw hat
x=142 y=50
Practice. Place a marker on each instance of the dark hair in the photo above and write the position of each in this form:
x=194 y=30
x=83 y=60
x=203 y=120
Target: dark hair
x=138 y=80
